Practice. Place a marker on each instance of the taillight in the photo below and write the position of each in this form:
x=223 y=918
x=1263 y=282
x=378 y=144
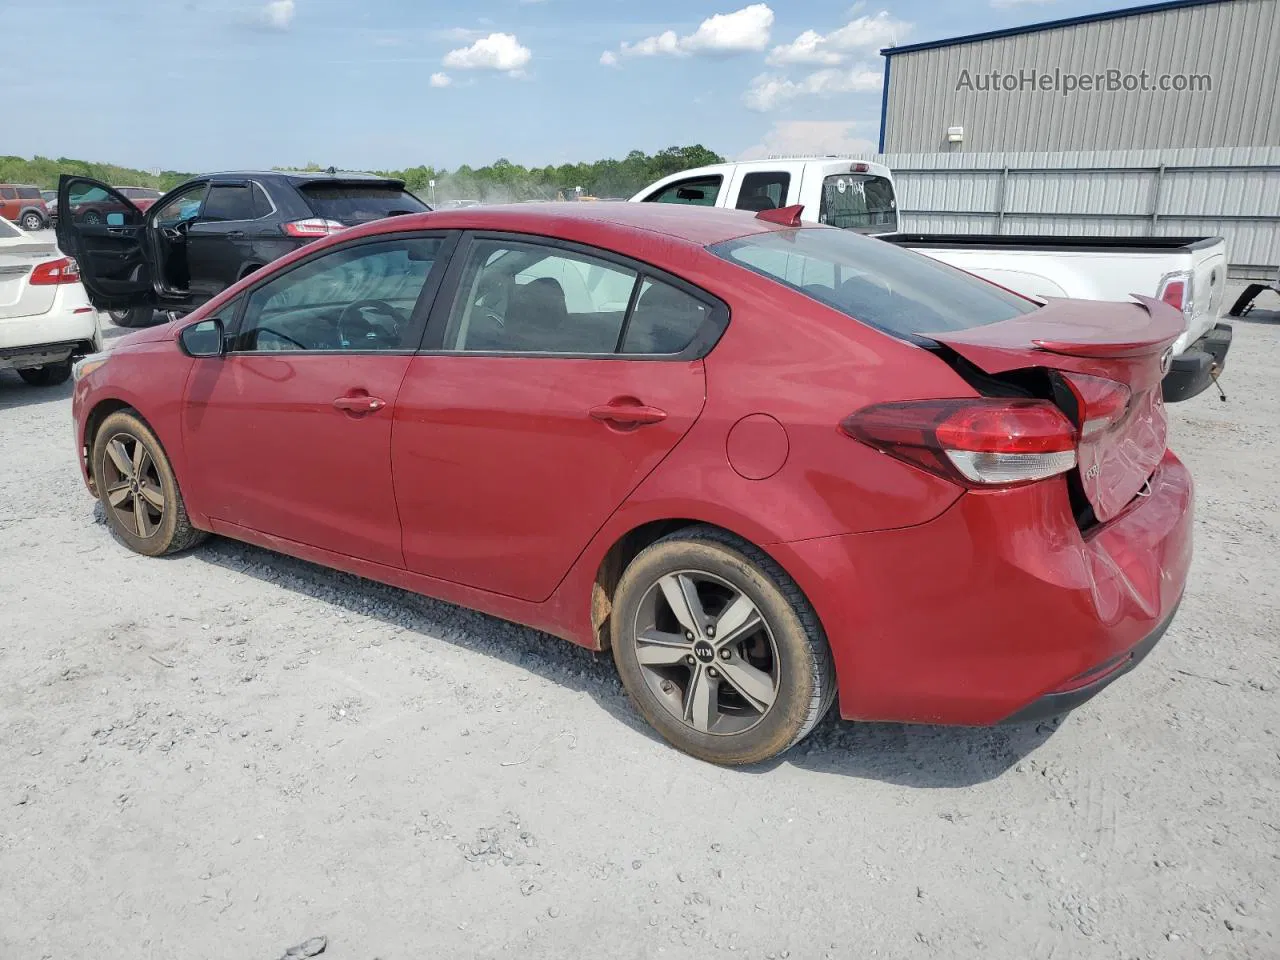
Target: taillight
x=1175 y=290
x=313 y=228
x=53 y=272
x=1101 y=403
x=978 y=443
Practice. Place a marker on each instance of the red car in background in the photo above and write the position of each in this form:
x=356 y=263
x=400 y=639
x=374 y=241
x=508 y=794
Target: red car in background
x=762 y=462
x=94 y=209
x=143 y=197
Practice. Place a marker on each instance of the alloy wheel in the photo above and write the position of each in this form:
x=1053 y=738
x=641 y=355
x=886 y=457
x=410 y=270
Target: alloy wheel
x=32 y=222
x=706 y=653
x=132 y=486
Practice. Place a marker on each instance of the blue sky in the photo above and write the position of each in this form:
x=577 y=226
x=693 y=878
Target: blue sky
x=208 y=84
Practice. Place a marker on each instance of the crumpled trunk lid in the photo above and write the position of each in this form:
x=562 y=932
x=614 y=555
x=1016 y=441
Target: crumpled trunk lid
x=1105 y=361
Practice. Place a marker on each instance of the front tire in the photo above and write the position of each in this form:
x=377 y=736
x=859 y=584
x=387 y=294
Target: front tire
x=134 y=317
x=138 y=489
x=50 y=375
x=719 y=649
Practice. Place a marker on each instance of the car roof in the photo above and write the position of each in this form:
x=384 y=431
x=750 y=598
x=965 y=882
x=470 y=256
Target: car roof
x=296 y=176
x=590 y=222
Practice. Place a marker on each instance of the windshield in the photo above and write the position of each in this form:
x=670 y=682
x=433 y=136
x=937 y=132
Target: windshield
x=359 y=203
x=899 y=291
x=859 y=202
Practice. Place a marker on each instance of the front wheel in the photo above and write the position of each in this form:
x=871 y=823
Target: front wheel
x=719 y=649
x=50 y=375
x=133 y=478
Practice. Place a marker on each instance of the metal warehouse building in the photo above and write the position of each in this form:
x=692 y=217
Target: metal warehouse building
x=1210 y=69
x=996 y=132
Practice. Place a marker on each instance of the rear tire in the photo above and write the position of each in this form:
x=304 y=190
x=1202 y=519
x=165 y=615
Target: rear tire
x=138 y=489
x=766 y=680
x=50 y=375
x=32 y=221
x=134 y=317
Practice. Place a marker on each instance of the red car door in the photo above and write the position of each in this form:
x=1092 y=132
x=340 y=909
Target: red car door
x=515 y=442
x=289 y=433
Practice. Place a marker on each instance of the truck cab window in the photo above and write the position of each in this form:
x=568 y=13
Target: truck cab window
x=764 y=191
x=696 y=191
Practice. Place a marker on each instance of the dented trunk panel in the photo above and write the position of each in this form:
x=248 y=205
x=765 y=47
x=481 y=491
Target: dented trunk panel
x=1126 y=343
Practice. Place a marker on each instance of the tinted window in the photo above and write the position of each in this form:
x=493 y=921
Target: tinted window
x=229 y=202
x=261 y=204
x=140 y=193
x=8 y=193
x=527 y=298
x=90 y=204
x=356 y=203
x=356 y=298
x=29 y=193
x=699 y=191
x=897 y=290
x=665 y=320
x=764 y=191
x=859 y=202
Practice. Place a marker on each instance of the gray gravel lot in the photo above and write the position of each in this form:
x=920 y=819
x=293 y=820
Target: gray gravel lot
x=225 y=753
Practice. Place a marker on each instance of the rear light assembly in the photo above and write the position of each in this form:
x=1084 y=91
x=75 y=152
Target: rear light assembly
x=1100 y=404
x=981 y=442
x=54 y=272
x=1176 y=290
x=313 y=228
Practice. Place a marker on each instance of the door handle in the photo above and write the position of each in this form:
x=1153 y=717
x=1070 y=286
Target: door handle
x=359 y=405
x=236 y=235
x=631 y=414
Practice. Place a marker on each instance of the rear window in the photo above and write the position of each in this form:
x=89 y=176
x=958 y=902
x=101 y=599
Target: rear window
x=859 y=202
x=357 y=203
x=899 y=291
x=29 y=193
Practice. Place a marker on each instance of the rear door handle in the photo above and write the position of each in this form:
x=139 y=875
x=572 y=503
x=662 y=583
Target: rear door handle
x=630 y=414
x=362 y=404
x=237 y=235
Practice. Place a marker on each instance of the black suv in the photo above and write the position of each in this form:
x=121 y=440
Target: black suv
x=207 y=234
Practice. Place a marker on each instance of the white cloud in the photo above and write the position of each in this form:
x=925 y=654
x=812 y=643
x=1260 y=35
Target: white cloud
x=798 y=137
x=860 y=35
x=609 y=59
x=743 y=31
x=278 y=14
x=441 y=80
x=497 y=51
x=770 y=90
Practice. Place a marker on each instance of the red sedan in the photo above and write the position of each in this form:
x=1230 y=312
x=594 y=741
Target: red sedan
x=762 y=462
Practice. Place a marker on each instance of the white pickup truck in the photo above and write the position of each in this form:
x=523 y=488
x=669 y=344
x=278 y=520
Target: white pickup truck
x=1189 y=273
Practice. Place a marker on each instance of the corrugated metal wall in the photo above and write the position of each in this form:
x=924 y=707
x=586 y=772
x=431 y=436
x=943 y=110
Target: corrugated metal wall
x=1237 y=43
x=1228 y=192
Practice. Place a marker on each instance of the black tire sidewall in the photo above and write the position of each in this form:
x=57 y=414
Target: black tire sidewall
x=160 y=542
x=50 y=375
x=785 y=722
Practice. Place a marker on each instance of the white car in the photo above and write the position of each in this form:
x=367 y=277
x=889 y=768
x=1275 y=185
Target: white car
x=46 y=319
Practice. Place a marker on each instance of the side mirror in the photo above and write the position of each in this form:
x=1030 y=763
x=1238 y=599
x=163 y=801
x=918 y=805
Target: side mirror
x=115 y=219
x=203 y=339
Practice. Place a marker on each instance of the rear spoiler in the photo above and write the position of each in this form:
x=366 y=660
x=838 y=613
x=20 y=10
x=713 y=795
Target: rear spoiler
x=1163 y=331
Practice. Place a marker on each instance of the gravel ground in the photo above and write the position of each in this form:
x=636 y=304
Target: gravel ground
x=229 y=752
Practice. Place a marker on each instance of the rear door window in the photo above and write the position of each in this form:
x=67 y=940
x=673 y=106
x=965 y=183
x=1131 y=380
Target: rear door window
x=764 y=191
x=230 y=201
x=899 y=291
x=353 y=203
x=665 y=320
x=29 y=193
x=859 y=202
x=696 y=191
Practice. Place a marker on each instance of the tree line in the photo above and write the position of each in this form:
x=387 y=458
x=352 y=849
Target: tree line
x=500 y=181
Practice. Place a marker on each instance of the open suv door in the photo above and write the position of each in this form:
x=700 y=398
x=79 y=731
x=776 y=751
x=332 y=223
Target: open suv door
x=107 y=235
